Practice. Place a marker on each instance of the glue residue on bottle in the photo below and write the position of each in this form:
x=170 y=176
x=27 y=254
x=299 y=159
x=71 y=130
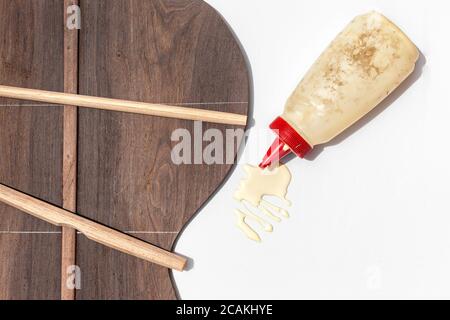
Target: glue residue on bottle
x=257 y=184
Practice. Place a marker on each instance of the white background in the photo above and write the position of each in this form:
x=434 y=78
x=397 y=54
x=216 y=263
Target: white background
x=371 y=214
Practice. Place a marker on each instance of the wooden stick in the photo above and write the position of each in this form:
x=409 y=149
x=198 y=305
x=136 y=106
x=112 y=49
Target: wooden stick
x=94 y=231
x=69 y=183
x=123 y=106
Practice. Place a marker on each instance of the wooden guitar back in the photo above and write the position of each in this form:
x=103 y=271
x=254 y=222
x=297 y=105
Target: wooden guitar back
x=172 y=51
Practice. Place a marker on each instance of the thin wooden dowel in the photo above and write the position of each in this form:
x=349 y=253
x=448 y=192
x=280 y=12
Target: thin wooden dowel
x=94 y=231
x=160 y=110
x=69 y=183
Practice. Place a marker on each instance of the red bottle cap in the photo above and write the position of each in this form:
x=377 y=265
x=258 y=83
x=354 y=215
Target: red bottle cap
x=287 y=137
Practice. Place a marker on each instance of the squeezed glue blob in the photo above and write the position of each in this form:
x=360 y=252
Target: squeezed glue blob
x=257 y=184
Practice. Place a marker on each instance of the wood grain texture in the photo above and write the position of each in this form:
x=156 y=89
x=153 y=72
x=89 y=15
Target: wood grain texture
x=68 y=245
x=31 y=55
x=177 y=51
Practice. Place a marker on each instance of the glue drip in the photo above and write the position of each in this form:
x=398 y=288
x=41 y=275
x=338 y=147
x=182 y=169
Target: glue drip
x=257 y=184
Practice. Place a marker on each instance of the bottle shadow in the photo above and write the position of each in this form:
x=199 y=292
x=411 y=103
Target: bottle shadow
x=371 y=115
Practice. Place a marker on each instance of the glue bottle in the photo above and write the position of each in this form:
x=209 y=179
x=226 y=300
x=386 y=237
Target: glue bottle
x=361 y=67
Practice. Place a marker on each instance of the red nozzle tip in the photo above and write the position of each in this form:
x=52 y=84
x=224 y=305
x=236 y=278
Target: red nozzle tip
x=264 y=165
x=277 y=151
x=289 y=140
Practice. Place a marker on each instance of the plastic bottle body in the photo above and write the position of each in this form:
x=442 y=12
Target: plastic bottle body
x=359 y=69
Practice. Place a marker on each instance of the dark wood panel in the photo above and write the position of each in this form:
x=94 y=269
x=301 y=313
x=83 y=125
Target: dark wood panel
x=31 y=55
x=177 y=51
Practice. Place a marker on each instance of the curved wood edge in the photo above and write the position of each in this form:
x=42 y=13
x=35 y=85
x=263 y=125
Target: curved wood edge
x=127 y=182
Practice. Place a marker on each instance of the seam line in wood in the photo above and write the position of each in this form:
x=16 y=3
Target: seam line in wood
x=60 y=232
x=94 y=231
x=164 y=103
x=150 y=109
